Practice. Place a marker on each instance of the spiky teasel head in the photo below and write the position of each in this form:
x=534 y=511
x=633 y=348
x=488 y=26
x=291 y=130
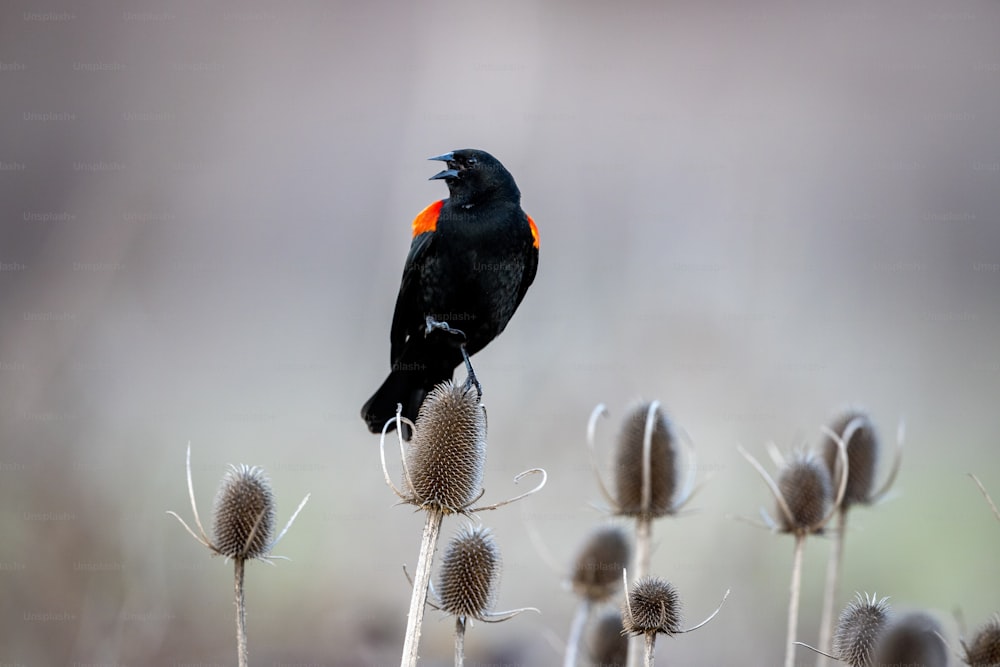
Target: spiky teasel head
x=808 y=494
x=913 y=639
x=630 y=461
x=858 y=630
x=652 y=606
x=597 y=572
x=609 y=643
x=244 y=513
x=443 y=466
x=856 y=430
x=863 y=448
x=444 y=463
x=647 y=464
x=470 y=572
x=984 y=649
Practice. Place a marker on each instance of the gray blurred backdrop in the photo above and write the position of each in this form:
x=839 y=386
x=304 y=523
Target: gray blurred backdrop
x=756 y=214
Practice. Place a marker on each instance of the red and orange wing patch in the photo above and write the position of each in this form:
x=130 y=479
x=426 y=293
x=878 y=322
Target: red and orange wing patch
x=427 y=219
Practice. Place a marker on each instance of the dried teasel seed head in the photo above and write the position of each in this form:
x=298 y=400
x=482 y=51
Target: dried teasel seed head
x=913 y=639
x=447 y=454
x=653 y=607
x=597 y=572
x=244 y=513
x=862 y=456
x=470 y=572
x=858 y=630
x=608 y=642
x=629 y=462
x=805 y=484
x=984 y=649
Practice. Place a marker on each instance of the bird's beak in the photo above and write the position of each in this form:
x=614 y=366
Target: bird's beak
x=447 y=173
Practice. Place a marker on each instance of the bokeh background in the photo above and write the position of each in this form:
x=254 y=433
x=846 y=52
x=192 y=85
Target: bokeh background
x=758 y=213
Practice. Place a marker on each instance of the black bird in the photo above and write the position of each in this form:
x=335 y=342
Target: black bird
x=472 y=259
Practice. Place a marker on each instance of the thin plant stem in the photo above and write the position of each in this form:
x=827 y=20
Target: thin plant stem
x=643 y=545
x=421 y=580
x=650 y=645
x=459 y=641
x=793 y=601
x=241 y=614
x=643 y=549
x=644 y=520
x=576 y=633
x=982 y=489
x=830 y=594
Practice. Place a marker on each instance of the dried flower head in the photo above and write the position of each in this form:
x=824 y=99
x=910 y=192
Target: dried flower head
x=244 y=513
x=597 y=572
x=858 y=630
x=469 y=573
x=913 y=639
x=652 y=606
x=647 y=464
x=984 y=649
x=630 y=462
x=808 y=493
x=806 y=496
x=863 y=448
x=609 y=645
x=446 y=457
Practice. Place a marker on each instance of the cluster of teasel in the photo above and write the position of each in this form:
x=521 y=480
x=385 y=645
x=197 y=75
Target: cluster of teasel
x=442 y=474
x=814 y=488
x=648 y=485
x=443 y=470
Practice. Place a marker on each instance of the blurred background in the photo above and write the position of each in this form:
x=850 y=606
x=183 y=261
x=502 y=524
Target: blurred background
x=757 y=213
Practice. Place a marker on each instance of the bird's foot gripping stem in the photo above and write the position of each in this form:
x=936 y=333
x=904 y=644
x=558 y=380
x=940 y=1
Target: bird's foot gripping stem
x=459 y=337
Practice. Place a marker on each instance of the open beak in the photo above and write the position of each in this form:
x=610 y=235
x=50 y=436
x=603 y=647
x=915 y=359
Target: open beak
x=447 y=173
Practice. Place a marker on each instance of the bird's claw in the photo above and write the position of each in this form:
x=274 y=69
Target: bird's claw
x=432 y=325
x=470 y=378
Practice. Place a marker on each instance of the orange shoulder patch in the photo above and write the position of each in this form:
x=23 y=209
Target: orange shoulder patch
x=427 y=219
x=534 y=231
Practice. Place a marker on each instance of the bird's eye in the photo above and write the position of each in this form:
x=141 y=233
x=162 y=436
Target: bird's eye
x=470 y=160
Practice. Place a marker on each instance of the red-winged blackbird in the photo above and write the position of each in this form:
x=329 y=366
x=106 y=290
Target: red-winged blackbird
x=472 y=259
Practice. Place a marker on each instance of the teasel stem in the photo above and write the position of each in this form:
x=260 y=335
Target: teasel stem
x=644 y=522
x=459 y=641
x=832 y=582
x=576 y=633
x=793 y=601
x=241 y=614
x=643 y=544
x=421 y=581
x=650 y=644
x=834 y=565
x=982 y=489
x=644 y=528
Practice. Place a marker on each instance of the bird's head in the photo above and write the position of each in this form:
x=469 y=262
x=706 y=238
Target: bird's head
x=474 y=176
